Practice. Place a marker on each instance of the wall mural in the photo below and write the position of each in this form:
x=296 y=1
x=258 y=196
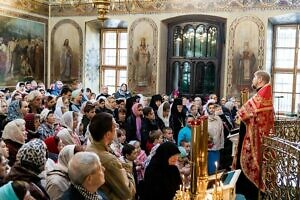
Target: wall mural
x=142 y=67
x=22 y=48
x=66 y=51
x=245 y=53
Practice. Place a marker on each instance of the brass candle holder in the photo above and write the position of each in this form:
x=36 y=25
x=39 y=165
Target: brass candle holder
x=199 y=175
x=217 y=193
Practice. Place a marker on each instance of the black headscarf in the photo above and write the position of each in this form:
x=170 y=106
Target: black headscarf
x=155 y=98
x=161 y=179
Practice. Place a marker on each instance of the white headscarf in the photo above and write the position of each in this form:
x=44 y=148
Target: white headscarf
x=160 y=114
x=65 y=156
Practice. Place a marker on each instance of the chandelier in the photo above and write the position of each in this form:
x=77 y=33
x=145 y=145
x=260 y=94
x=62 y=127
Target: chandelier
x=105 y=6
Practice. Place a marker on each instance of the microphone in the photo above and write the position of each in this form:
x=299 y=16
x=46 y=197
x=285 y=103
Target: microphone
x=279 y=97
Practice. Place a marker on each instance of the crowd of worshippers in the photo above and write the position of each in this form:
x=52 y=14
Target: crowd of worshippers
x=70 y=143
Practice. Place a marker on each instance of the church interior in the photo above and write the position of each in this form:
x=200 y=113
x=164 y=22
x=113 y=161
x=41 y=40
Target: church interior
x=195 y=48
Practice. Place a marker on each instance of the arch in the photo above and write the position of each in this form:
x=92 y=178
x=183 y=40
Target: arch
x=233 y=88
x=143 y=29
x=75 y=38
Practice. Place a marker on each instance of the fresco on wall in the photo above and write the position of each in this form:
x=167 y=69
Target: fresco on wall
x=245 y=54
x=22 y=49
x=66 y=51
x=142 y=67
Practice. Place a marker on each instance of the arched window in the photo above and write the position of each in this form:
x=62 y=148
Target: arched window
x=195 y=56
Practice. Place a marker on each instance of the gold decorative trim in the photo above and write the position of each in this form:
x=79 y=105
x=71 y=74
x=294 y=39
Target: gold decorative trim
x=176 y=6
x=27 y=5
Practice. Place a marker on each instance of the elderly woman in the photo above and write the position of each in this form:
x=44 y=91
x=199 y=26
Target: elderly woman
x=14 y=136
x=46 y=129
x=57 y=180
x=35 y=101
x=76 y=98
x=86 y=174
x=31 y=160
x=69 y=123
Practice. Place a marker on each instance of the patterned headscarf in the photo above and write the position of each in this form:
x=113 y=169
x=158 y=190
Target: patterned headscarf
x=14 y=110
x=32 y=156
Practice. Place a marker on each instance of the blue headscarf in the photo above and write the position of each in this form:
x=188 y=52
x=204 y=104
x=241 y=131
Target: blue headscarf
x=14 y=111
x=7 y=192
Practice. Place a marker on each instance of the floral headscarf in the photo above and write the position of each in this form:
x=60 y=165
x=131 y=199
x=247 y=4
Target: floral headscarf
x=14 y=110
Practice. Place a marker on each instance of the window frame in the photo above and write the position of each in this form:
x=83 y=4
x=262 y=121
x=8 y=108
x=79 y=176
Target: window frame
x=294 y=71
x=117 y=67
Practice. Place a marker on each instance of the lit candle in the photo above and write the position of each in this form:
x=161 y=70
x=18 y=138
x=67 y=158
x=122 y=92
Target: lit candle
x=180 y=187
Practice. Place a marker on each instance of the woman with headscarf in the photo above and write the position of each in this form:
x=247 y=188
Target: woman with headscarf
x=155 y=102
x=123 y=92
x=15 y=190
x=62 y=106
x=69 y=123
x=75 y=103
x=17 y=109
x=177 y=118
x=57 y=180
x=32 y=124
x=54 y=145
x=134 y=123
x=14 y=137
x=162 y=177
x=163 y=115
x=31 y=160
x=47 y=127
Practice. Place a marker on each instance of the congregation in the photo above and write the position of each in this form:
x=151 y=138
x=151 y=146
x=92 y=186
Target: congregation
x=67 y=142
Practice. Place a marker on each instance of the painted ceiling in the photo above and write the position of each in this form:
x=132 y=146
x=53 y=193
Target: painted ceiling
x=54 y=8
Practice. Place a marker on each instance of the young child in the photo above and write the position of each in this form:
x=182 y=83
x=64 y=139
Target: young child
x=184 y=166
x=168 y=135
x=140 y=159
x=155 y=137
x=118 y=142
x=187 y=146
x=129 y=155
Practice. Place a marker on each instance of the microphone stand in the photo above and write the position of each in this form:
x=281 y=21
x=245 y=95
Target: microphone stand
x=278 y=104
